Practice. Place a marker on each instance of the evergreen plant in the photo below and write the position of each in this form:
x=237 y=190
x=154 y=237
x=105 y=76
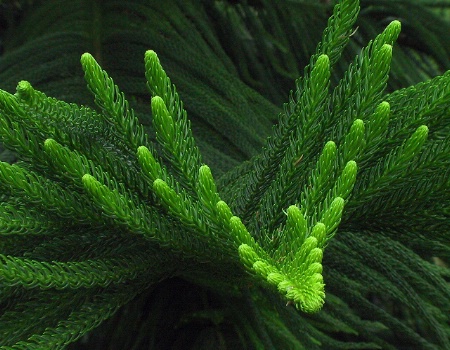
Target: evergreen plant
x=333 y=233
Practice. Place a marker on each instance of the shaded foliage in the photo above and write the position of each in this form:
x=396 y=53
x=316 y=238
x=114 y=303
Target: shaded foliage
x=233 y=63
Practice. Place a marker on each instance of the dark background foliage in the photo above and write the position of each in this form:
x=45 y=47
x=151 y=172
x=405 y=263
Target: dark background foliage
x=234 y=63
x=227 y=59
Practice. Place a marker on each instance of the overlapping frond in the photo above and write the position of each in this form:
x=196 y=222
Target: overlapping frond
x=349 y=196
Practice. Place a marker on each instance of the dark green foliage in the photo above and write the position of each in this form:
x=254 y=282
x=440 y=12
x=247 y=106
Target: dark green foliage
x=332 y=233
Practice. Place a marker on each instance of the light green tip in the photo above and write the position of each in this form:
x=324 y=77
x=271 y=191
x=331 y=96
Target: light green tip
x=159 y=183
x=205 y=170
x=24 y=85
x=86 y=57
x=351 y=166
x=323 y=60
x=358 y=123
x=387 y=48
x=384 y=107
x=49 y=143
x=150 y=54
x=396 y=24
x=89 y=181
x=423 y=129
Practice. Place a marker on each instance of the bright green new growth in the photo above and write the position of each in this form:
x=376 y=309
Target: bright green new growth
x=144 y=211
x=199 y=211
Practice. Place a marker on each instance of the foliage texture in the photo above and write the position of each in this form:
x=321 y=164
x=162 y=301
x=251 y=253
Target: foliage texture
x=327 y=230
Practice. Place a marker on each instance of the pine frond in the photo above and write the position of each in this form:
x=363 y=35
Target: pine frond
x=330 y=234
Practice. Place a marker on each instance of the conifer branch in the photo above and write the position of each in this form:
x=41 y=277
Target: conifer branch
x=47 y=194
x=93 y=213
x=113 y=103
x=31 y=273
x=172 y=127
x=25 y=221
